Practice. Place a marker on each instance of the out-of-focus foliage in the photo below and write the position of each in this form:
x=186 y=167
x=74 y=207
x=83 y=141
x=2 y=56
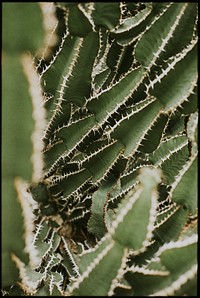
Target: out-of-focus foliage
x=22 y=31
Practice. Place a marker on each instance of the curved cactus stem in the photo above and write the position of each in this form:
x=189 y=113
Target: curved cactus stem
x=173 y=164
x=150 y=45
x=141 y=200
x=187 y=270
x=75 y=17
x=95 y=281
x=96 y=224
x=141 y=123
x=106 y=15
x=167 y=147
x=129 y=23
x=180 y=192
x=175 y=94
x=109 y=100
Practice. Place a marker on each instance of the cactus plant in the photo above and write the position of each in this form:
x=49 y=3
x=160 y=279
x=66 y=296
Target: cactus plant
x=111 y=208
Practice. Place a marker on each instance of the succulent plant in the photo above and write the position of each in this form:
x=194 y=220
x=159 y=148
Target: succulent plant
x=111 y=208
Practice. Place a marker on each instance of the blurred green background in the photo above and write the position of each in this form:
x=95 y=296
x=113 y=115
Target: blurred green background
x=22 y=32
